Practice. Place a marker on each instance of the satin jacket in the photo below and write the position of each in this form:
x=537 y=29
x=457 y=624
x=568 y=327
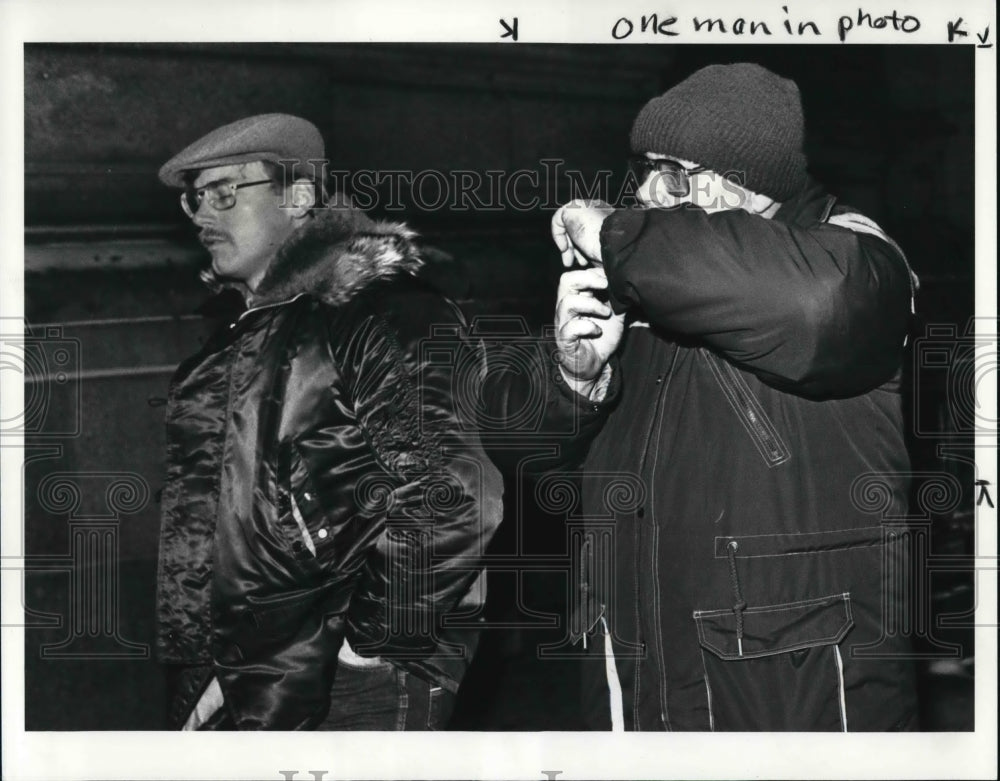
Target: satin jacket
x=324 y=481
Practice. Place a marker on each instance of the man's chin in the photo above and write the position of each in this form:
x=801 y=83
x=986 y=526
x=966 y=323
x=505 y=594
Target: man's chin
x=219 y=265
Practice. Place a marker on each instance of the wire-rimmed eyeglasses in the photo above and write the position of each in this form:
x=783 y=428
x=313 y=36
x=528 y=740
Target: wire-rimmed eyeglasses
x=221 y=195
x=675 y=176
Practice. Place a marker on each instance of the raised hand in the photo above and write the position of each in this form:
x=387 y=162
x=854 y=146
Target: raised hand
x=587 y=330
x=576 y=230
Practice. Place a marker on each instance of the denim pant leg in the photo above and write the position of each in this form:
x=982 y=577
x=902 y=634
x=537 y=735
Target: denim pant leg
x=382 y=696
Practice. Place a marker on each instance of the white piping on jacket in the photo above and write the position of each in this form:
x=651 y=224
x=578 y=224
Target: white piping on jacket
x=614 y=685
x=840 y=687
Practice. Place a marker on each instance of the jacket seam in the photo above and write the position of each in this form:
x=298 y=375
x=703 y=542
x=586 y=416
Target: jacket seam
x=793 y=534
x=845 y=596
x=818 y=642
x=708 y=690
x=839 y=549
x=421 y=440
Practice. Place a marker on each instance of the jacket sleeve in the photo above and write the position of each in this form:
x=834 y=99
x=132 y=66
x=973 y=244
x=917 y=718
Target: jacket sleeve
x=441 y=496
x=821 y=311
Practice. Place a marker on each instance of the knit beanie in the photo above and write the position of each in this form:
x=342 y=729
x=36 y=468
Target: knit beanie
x=738 y=118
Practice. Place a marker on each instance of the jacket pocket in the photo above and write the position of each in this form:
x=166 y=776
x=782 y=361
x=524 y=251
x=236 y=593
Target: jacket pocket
x=749 y=411
x=797 y=543
x=784 y=673
x=283 y=612
x=302 y=526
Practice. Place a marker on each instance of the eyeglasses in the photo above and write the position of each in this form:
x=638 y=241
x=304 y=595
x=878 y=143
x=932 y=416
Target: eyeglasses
x=221 y=195
x=675 y=176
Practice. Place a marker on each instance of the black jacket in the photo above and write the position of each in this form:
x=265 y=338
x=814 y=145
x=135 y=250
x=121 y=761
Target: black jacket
x=740 y=499
x=323 y=481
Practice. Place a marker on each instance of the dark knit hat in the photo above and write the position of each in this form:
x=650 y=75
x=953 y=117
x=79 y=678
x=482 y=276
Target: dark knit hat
x=273 y=137
x=738 y=118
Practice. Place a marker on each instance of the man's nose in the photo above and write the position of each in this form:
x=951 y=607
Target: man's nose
x=204 y=215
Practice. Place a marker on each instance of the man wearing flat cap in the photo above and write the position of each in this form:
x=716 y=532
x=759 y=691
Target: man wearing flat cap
x=326 y=505
x=756 y=331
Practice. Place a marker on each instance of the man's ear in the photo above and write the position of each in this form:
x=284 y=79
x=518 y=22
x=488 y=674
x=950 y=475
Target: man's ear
x=301 y=198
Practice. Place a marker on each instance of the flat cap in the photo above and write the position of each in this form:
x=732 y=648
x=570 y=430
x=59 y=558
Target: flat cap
x=271 y=137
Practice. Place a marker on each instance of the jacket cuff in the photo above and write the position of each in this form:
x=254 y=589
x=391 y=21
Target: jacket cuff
x=597 y=388
x=598 y=403
x=619 y=233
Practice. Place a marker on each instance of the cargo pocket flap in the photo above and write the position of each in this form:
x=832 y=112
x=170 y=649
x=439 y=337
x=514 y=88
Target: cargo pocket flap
x=776 y=628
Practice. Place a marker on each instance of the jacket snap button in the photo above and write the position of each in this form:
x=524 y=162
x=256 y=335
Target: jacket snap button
x=322 y=534
x=307 y=496
x=232 y=325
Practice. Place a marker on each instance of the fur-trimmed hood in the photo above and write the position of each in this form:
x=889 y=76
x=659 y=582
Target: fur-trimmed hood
x=339 y=253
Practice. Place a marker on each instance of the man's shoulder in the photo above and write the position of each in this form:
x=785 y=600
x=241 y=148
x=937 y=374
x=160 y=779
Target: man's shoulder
x=405 y=306
x=812 y=206
x=816 y=206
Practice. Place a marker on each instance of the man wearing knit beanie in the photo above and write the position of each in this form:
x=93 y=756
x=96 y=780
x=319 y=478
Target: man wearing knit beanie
x=737 y=345
x=740 y=120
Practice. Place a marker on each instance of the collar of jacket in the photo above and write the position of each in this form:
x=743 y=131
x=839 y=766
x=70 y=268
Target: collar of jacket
x=813 y=204
x=333 y=258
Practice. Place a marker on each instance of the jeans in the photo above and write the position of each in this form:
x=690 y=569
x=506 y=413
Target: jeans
x=381 y=696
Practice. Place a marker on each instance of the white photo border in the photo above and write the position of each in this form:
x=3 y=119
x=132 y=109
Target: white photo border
x=143 y=755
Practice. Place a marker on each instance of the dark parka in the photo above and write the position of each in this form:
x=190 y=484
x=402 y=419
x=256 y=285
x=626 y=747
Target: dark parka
x=323 y=482
x=744 y=495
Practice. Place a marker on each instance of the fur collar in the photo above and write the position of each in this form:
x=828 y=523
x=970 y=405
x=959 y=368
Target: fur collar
x=338 y=254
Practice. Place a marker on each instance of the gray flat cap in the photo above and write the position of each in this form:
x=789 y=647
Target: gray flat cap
x=271 y=137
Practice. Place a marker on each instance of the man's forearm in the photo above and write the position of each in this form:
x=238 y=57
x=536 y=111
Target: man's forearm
x=816 y=310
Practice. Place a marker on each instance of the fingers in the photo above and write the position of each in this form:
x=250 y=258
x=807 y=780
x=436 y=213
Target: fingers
x=580 y=305
x=576 y=231
x=560 y=236
x=577 y=351
x=577 y=331
x=568 y=254
x=580 y=328
x=584 y=281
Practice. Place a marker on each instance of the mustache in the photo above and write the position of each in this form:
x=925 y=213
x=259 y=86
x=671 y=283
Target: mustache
x=210 y=235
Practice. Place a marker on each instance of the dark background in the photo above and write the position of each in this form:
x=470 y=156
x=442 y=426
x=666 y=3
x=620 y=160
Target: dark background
x=111 y=288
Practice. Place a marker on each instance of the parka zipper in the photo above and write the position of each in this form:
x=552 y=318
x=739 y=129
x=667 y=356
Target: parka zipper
x=664 y=381
x=264 y=307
